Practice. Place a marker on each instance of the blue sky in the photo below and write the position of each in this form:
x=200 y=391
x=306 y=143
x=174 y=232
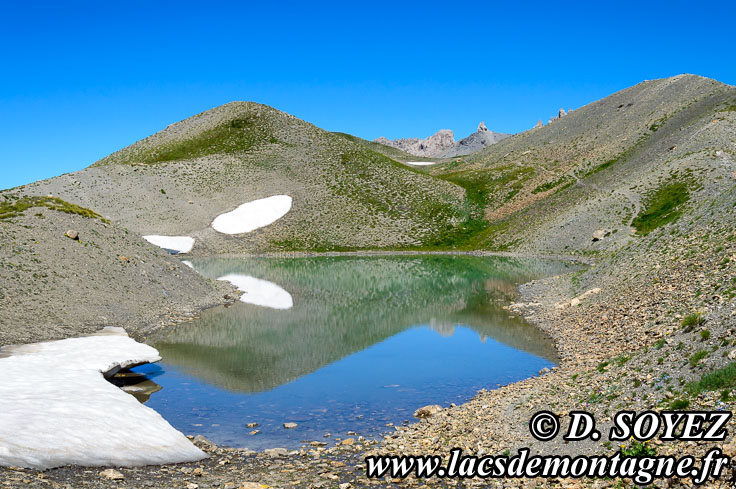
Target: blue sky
x=79 y=80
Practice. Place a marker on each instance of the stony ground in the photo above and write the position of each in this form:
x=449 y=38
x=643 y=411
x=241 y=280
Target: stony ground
x=52 y=286
x=624 y=342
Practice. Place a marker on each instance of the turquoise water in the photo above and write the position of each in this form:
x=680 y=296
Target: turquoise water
x=350 y=344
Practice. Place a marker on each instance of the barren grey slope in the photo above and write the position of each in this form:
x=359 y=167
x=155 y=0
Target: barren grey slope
x=345 y=194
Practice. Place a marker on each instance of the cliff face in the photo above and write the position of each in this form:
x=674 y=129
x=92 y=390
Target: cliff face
x=434 y=145
x=475 y=142
x=442 y=144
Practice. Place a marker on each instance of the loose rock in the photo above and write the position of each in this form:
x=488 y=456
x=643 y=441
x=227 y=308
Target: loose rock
x=112 y=474
x=427 y=411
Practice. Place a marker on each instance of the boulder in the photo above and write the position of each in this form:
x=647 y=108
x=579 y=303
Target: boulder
x=72 y=234
x=577 y=300
x=276 y=452
x=729 y=449
x=204 y=443
x=290 y=426
x=560 y=114
x=427 y=411
x=112 y=474
x=599 y=234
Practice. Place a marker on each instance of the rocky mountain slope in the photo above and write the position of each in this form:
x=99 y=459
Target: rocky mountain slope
x=345 y=193
x=480 y=139
x=648 y=160
x=66 y=271
x=431 y=146
x=442 y=144
x=651 y=325
x=601 y=168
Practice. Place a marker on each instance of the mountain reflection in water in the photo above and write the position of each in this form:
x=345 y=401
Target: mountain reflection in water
x=363 y=342
x=345 y=304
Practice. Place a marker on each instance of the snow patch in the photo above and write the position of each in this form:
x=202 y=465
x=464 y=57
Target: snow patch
x=187 y=263
x=252 y=215
x=421 y=163
x=179 y=244
x=260 y=292
x=58 y=409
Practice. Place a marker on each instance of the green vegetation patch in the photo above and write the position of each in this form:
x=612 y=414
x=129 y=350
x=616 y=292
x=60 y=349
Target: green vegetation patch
x=723 y=378
x=678 y=404
x=233 y=136
x=638 y=449
x=658 y=123
x=482 y=189
x=602 y=166
x=696 y=357
x=550 y=185
x=500 y=184
x=14 y=206
x=662 y=206
x=692 y=320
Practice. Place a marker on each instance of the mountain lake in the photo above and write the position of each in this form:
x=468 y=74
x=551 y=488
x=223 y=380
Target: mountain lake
x=342 y=346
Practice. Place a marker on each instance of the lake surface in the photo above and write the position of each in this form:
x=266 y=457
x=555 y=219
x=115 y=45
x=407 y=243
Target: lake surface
x=339 y=344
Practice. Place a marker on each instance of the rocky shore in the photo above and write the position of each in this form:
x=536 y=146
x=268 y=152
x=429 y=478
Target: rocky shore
x=624 y=346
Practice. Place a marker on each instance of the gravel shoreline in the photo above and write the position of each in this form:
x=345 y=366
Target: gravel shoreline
x=618 y=319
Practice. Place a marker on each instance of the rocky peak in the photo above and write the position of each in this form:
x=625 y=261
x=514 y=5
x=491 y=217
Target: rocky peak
x=539 y=124
x=384 y=141
x=442 y=144
x=433 y=145
x=560 y=114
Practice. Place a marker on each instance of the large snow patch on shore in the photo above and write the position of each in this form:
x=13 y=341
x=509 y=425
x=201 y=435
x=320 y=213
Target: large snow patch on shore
x=421 y=163
x=253 y=215
x=56 y=408
x=260 y=292
x=180 y=244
